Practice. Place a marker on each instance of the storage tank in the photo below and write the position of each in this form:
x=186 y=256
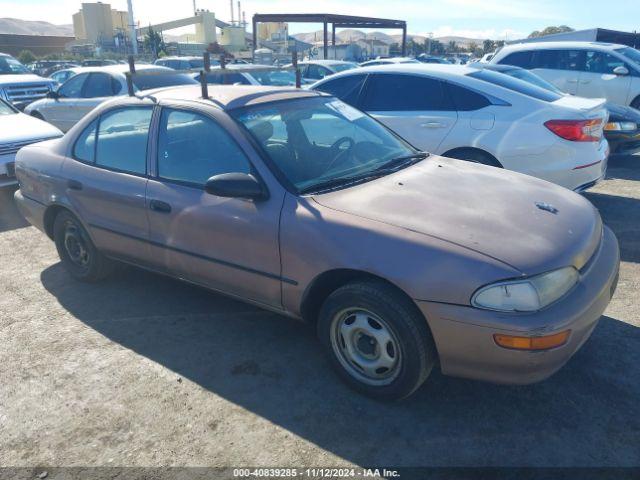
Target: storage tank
x=232 y=38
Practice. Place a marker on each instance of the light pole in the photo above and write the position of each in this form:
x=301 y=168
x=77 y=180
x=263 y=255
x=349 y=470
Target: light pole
x=132 y=29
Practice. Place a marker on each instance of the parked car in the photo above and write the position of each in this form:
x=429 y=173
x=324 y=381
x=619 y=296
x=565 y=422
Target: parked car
x=299 y=203
x=62 y=76
x=388 y=61
x=482 y=116
x=486 y=58
x=98 y=62
x=184 y=63
x=245 y=74
x=587 y=69
x=431 y=59
x=16 y=131
x=622 y=130
x=312 y=70
x=91 y=86
x=18 y=85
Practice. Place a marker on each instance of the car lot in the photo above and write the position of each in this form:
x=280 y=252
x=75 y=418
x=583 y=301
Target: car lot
x=143 y=370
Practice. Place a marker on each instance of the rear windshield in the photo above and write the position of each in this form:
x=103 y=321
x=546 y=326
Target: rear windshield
x=147 y=81
x=631 y=53
x=516 y=85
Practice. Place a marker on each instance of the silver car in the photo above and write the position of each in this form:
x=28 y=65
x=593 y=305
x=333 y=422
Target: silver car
x=90 y=86
x=299 y=203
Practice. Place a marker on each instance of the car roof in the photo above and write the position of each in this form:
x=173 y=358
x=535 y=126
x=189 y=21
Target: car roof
x=557 y=45
x=229 y=97
x=442 y=70
x=120 y=68
x=327 y=62
x=175 y=57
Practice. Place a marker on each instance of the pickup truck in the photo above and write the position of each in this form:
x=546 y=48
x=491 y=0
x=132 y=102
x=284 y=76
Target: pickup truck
x=18 y=85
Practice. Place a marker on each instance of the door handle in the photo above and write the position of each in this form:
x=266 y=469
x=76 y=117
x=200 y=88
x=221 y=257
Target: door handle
x=585 y=81
x=433 y=125
x=159 y=206
x=572 y=80
x=74 y=185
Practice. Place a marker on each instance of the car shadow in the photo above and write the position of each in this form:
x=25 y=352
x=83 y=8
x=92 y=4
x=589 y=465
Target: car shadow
x=10 y=217
x=622 y=215
x=587 y=414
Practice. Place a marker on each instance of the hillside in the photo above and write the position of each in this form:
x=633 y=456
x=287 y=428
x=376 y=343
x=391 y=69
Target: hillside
x=352 y=35
x=29 y=27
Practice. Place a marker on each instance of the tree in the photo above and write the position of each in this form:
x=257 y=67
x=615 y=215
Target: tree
x=488 y=46
x=550 y=31
x=153 y=42
x=437 y=47
x=26 y=56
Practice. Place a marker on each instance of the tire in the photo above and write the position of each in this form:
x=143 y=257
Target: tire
x=475 y=156
x=376 y=339
x=77 y=252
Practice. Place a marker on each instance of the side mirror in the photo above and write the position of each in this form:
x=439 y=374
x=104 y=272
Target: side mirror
x=53 y=94
x=621 y=70
x=236 y=185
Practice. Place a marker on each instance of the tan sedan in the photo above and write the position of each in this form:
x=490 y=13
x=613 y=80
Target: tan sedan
x=297 y=202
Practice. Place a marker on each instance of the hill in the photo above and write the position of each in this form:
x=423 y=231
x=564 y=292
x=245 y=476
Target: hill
x=29 y=27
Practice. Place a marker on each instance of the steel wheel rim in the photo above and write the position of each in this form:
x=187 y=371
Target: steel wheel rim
x=75 y=246
x=366 y=346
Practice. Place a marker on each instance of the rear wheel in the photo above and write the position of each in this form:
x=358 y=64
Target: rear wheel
x=76 y=250
x=376 y=339
x=475 y=156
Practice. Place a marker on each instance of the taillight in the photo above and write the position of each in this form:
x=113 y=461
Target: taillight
x=577 y=130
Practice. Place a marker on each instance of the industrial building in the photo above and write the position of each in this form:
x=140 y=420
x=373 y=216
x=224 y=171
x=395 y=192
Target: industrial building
x=98 y=23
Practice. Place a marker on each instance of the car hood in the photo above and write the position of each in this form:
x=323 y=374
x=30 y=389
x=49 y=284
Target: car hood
x=20 y=127
x=23 y=78
x=501 y=214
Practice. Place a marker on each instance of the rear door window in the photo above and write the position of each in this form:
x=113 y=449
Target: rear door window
x=345 y=88
x=466 y=100
x=123 y=135
x=391 y=92
x=72 y=88
x=558 y=59
x=518 y=59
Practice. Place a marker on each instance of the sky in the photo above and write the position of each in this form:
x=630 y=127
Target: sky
x=497 y=19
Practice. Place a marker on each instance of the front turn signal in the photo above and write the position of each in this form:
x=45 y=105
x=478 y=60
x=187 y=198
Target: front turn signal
x=532 y=343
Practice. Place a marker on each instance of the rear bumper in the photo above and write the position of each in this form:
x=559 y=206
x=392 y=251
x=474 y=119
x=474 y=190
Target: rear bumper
x=464 y=335
x=30 y=209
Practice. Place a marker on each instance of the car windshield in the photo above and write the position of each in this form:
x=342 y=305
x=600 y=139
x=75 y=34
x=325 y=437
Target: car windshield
x=533 y=79
x=516 y=85
x=157 y=79
x=5 y=109
x=341 y=67
x=321 y=143
x=11 y=66
x=631 y=53
x=276 y=78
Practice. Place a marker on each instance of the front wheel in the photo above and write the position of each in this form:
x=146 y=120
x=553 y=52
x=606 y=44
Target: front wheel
x=376 y=339
x=76 y=250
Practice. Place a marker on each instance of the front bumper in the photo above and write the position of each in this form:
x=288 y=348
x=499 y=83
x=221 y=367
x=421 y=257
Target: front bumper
x=464 y=335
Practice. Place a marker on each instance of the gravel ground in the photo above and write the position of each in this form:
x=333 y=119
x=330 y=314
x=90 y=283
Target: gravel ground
x=142 y=370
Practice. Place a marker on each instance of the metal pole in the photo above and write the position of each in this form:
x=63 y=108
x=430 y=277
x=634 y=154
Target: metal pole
x=132 y=29
x=333 y=40
x=404 y=40
x=206 y=57
x=294 y=62
x=203 y=85
x=255 y=35
x=223 y=61
x=130 y=90
x=325 y=41
x=132 y=65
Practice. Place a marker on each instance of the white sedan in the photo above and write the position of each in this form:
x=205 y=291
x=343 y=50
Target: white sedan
x=485 y=117
x=16 y=131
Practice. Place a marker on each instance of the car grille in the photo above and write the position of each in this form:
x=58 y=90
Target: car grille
x=9 y=148
x=26 y=93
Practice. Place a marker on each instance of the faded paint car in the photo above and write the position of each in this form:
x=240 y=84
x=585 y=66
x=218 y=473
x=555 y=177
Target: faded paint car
x=294 y=201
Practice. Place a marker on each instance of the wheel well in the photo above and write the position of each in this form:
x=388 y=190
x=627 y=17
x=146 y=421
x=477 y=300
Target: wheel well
x=458 y=151
x=50 y=215
x=37 y=114
x=635 y=103
x=328 y=282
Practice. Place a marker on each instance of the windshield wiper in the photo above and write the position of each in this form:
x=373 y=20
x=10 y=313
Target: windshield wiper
x=403 y=161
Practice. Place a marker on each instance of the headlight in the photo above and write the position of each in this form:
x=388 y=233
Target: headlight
x=527 y=294
x=621 y=126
